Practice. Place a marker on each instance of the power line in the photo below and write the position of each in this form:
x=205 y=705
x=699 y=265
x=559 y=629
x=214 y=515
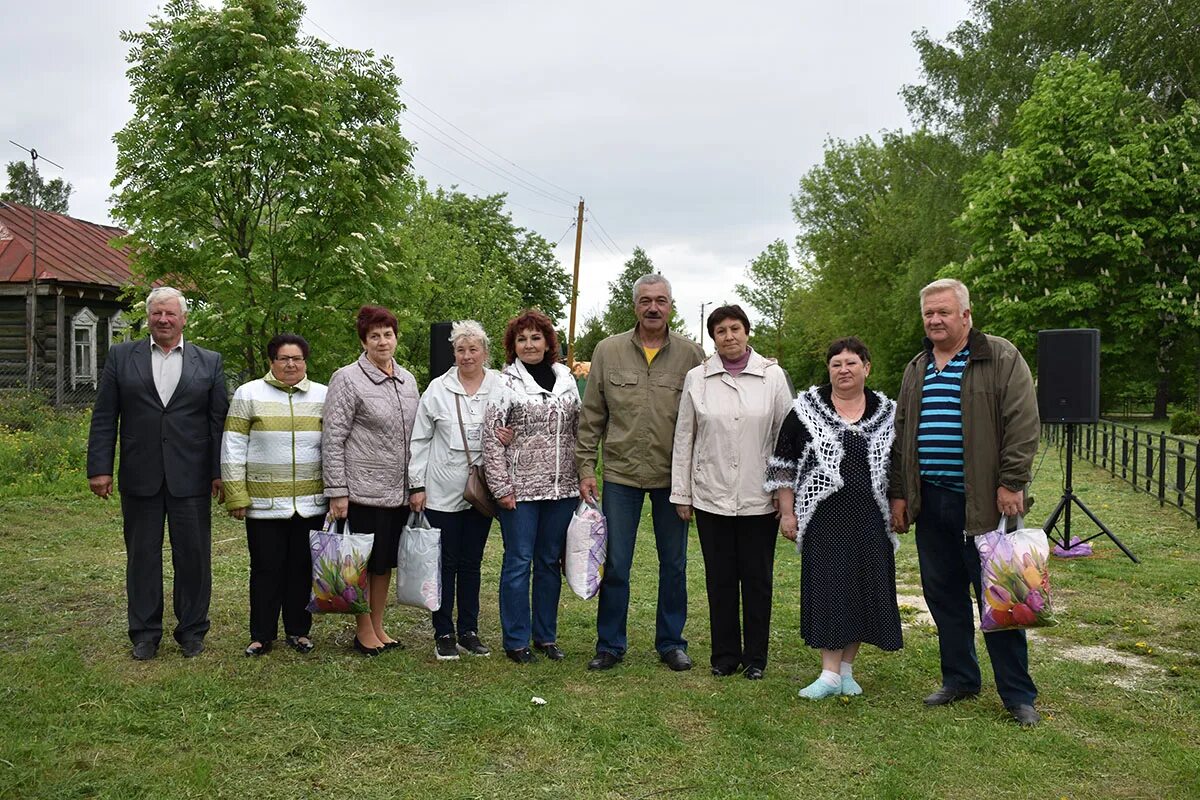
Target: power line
x=588 y=234
x=594 y=219
x=568 y=230
x=507 y=200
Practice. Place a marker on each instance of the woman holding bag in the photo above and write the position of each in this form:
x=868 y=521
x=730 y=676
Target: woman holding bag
x=534 y=480
x=729 y=416
x=369 y=413
x=447 y=440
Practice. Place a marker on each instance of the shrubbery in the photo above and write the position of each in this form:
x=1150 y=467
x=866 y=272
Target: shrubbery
x=1185 y=423
x=40 y=446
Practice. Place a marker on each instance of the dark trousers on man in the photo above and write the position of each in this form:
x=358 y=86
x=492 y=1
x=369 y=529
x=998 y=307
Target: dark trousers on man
x=280 y=575
x=949 y=568
x=739 y=565
x=190 y=524
x=464 y=537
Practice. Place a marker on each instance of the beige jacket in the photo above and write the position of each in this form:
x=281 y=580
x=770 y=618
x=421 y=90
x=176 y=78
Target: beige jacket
x=725 y=434
x=631 y=406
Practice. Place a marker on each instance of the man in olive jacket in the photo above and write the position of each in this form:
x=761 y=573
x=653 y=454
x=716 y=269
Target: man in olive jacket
x=631 y=403
x=966 y=436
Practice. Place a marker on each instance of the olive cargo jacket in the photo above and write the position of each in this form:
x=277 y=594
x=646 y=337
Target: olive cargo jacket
x=1000 y=429
x=632 y=406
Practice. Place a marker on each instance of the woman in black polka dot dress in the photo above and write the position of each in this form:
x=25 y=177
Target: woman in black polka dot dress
x=830 y=472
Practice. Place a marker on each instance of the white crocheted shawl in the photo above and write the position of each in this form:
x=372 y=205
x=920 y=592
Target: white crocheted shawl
x=817 y=473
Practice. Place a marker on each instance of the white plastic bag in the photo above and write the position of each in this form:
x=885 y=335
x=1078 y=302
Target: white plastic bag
x=419 y=564
x=587 y=546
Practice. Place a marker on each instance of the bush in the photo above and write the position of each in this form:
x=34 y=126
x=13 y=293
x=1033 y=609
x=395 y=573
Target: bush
x=1185 y=423
x=40 y=446
x=22 y=409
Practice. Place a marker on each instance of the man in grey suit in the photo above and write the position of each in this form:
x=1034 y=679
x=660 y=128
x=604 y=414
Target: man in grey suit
x=169 y=400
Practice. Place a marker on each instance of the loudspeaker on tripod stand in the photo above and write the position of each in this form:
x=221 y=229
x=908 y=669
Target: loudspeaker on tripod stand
x=441 y=356
x=1068 y=375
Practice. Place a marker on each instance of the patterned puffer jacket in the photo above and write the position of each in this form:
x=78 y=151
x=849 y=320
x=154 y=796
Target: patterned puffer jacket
x=539 y=464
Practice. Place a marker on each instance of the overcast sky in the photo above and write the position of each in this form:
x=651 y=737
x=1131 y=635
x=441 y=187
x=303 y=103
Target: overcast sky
x=685 y=127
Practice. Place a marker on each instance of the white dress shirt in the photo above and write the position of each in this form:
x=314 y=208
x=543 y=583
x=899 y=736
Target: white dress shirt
x=166 y=366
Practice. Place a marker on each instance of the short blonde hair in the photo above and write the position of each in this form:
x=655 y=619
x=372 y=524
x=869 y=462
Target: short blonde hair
x=949 y=284
x=167 y=293
x=468 y=329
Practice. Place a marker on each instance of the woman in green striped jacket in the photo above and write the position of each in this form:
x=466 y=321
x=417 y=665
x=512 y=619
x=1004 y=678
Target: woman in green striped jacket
x=271 y=467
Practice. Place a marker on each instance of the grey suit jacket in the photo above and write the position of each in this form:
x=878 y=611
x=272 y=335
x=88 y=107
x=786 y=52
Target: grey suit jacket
x=179 y=443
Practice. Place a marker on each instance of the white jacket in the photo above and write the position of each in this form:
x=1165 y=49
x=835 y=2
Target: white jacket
x=725 y=434
x=438 y=461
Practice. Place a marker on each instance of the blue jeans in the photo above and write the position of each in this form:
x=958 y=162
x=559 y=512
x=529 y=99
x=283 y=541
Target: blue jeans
x=622 y=506
x=464 y=536
x=534 y=533
x=949 y=568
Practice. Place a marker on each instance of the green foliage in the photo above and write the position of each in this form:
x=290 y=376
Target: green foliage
x=1185 y=423
x=41 y=448
x=262 y=169
x=592 y=333
x=771 y=279
x=1089 y=220
x=33 y=190
x=22 y=409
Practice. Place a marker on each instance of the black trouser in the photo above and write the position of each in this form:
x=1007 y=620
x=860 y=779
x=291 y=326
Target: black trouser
x=464 y=536
x=280 y=575
x=190 y=521
x=739 y=561
x=949 y=568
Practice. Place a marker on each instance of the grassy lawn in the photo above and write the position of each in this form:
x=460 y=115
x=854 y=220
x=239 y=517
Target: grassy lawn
x=1120 y=684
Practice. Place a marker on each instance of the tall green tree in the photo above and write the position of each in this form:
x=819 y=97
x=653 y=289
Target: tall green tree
x=1089 y=220
x=591 y=334
x=263 y=170
x=771 y=279
x=33 y=190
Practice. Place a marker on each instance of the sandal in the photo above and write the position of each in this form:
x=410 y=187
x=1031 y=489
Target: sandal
x=301 y=644
x=262 y=648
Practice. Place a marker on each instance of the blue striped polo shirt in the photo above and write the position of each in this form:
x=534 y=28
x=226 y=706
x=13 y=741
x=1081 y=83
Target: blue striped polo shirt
x=940 y=429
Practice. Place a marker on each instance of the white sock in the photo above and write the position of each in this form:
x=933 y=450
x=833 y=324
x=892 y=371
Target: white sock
x=847 y=669
x=830 y=678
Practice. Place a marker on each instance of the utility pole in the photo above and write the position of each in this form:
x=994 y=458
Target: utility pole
x=31 y=306
x=575 y=288
x=702 y=306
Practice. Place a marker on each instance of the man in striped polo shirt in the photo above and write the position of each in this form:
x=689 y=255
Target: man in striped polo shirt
x=966 y=436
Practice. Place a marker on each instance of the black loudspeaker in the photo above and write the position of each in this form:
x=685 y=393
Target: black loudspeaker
x=441 y=355
x=1068 y=375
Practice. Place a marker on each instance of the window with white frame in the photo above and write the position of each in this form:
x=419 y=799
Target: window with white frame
x=118 y=329
x=83 y=348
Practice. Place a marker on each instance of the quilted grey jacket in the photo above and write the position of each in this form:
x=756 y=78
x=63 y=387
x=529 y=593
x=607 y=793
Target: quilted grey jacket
x=539 y=464
x=367 y=434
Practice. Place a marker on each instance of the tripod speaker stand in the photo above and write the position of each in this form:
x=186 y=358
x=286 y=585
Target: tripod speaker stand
x=1069 y=498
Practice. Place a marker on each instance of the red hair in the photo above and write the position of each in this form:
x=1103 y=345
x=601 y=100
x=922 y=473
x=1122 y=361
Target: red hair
x=531 y=318
x=375 y=317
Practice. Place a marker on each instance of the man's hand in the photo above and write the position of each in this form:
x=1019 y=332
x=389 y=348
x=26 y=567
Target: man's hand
x=101 y=485
x=588 y=490
x=339 y=507
x=237 y=513
x=1010 y=503
x=505 y=435
x=684 y=512
x=218 y=490
x=899 y=515
x=416 y=501
x=508 y=502
x=787 y=525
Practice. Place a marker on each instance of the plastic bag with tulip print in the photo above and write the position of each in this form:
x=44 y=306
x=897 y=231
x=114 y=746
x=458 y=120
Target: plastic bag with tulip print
x=339 y=570
x=586 y=549
x=1015 y=580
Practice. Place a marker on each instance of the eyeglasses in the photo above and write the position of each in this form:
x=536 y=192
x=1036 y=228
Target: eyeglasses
x=290 y=359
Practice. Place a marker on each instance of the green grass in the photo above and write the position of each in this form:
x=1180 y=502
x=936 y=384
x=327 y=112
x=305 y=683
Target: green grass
x=80 y=719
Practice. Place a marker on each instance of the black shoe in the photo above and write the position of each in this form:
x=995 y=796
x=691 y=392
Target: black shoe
x=144 y=651
x=522 y=656
x=469 y=643
x=604 y=660
x=394 y=644
x=359 y=647
x=753 y=674
x=192 y=648
x=262 y=649
x=301 y=644
x=445 y=649
x=1025 y=715
x=551 y=650
x=947 y=695
x=725 y=672
x=677 y=659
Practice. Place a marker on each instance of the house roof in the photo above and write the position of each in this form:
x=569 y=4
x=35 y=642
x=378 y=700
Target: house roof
x=70 y=250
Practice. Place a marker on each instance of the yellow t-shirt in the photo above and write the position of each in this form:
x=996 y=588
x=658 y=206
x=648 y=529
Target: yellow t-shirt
x=650 y=352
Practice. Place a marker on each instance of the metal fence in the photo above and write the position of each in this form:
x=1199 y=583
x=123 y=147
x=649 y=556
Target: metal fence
x=1150 y=461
